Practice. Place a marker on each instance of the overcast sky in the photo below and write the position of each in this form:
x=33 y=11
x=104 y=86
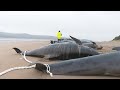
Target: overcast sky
x=93 y=25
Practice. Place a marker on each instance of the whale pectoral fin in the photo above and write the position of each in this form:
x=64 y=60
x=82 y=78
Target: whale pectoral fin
x=76 y=40
x=47 y=56
x=51 y=57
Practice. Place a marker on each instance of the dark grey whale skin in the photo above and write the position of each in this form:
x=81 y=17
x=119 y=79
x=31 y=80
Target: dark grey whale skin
x=116 y=48
x=103 y=64
x=62 y=51
x=88 y=43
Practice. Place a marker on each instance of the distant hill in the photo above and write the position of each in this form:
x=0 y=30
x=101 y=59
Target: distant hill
x=117 y=38
x=24 y=36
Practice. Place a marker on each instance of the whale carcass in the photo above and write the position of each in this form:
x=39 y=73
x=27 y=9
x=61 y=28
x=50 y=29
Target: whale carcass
x=84 y=42
x=62 y=51
x=103 y=64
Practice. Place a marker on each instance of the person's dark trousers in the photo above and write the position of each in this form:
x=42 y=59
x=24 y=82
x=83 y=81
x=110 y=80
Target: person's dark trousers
x=59 y=40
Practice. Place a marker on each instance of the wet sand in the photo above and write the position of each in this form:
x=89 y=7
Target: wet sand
x=9 y=58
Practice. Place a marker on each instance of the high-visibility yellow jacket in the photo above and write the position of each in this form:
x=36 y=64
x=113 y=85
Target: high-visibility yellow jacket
x=59 y=35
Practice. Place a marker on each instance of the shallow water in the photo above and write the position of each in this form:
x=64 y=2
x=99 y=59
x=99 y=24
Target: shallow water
x=20 y=39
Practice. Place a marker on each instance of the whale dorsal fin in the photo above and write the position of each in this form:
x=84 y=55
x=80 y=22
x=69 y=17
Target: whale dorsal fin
x=76 y=40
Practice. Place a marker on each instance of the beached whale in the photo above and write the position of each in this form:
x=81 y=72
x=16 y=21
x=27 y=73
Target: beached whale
x=62 y=51
x=116 y=48
x=103 y=64
x=84 y=42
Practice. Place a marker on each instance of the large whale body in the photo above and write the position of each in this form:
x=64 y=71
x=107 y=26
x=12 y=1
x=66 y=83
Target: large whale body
x=84 y=42
x=103 y=64
x=62 y=51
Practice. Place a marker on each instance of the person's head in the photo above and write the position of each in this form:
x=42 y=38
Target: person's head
x=59 y=31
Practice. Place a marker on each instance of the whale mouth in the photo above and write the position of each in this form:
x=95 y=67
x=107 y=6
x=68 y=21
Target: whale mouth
x=17 y=50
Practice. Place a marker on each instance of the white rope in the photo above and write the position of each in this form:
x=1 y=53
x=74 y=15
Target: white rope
x=48 y=67
x=17 y=68
x=26 y=58
x=26 y=67
x=48 y=70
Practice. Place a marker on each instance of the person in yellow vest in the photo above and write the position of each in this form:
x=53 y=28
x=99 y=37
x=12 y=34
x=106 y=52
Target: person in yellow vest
x=59 y=36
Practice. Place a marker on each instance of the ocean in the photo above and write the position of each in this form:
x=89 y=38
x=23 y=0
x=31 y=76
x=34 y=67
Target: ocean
x=17 y=39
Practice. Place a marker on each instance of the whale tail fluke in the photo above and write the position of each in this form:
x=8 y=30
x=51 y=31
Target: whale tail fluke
x=17 y=50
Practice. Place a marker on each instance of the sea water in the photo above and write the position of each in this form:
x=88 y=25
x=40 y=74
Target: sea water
x=20 y=39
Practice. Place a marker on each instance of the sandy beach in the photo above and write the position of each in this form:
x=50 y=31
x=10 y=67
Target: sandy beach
x=9 y=58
